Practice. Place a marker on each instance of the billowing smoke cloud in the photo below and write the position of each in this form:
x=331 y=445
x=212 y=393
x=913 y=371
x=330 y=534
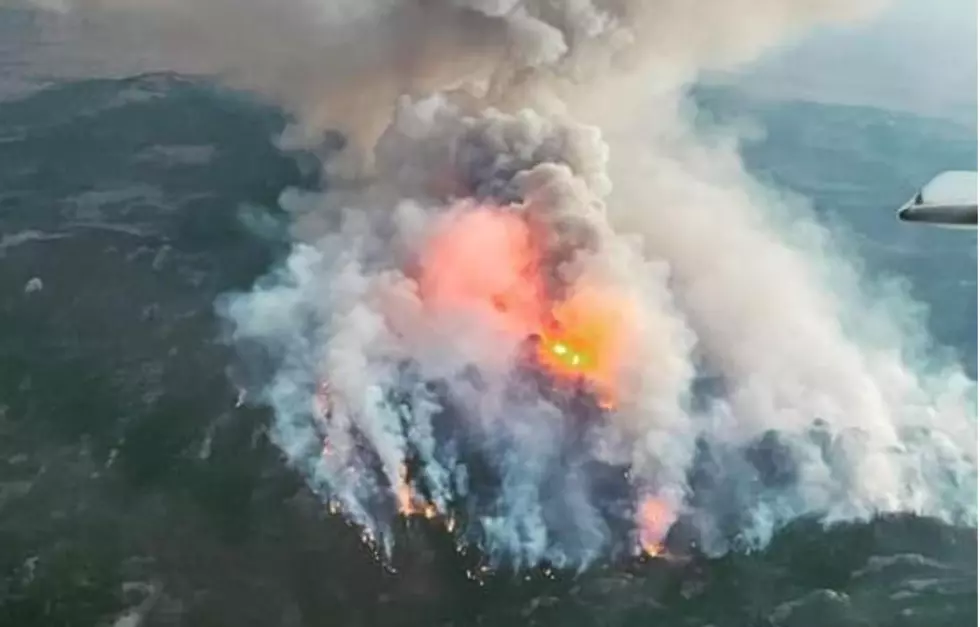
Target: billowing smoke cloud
x=422 y=301
x=560 y=339
x=342 y=64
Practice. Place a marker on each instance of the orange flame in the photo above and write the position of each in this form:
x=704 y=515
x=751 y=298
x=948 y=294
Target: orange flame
x=484 y=261
x=653 y=520
x=429 y=511
x=590 y=339
x=409 y=503
x=403 y=493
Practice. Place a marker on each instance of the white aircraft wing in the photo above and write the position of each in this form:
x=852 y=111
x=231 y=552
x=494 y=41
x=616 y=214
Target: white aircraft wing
x=949 y=200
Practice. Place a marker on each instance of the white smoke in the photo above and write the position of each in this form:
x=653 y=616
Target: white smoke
x=785 y=319
x=816 y=403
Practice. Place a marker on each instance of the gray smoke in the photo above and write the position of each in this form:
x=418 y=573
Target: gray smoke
x=764 y=379
x=437 y=167
x=342 y=64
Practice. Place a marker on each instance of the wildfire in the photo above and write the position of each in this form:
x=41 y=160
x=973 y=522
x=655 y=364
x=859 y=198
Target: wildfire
x=589 y=339
x=653 y=520
x=404 y=495
x=483 y=260
x=409 y=503
x=483 y=263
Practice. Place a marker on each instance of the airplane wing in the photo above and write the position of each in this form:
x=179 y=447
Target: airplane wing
x=948 y=200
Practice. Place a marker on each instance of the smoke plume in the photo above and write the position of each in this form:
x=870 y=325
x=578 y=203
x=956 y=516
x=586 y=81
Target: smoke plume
x=534 y=302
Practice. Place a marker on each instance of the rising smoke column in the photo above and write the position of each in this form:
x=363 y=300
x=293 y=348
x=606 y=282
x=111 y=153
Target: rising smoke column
x=762 y=381
x=483 y=230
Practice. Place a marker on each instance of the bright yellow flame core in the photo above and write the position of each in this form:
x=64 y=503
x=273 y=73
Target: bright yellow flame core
x=568 y=355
